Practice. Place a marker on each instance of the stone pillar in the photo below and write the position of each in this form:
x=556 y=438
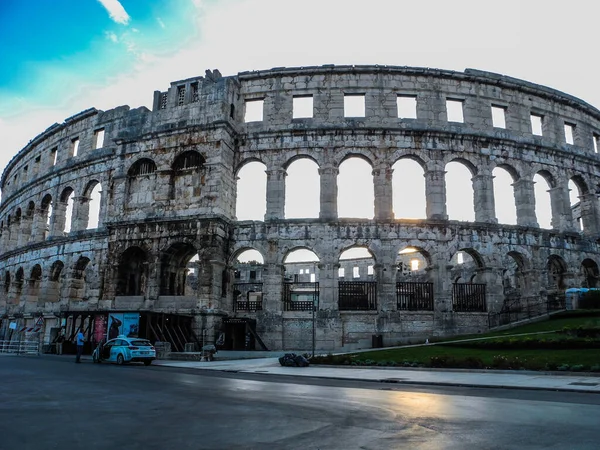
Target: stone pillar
x=328 y=284
x=435 y=192
x=562 y=217
x=532 y=290
x=329 y=192
x=81 y=213
x=275 y=194
x=214 y=294
x=494 y=289
x=382 y=178
x=483 y=192
x=525 y=203
x=386 y=287
x=59 y=222
x=18 y=232
x=273 y=287
x=439 y=275
x=26 y=228
x=589 y=213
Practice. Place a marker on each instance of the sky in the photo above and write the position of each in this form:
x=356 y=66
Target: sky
x=59 y=57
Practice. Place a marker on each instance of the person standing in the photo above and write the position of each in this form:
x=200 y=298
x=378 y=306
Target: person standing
x=80 y=338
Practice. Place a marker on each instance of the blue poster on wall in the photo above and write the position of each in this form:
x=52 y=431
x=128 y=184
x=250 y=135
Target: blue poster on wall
x=126 y=324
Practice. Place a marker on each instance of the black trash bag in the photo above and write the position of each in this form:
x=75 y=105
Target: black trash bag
x=293 y=360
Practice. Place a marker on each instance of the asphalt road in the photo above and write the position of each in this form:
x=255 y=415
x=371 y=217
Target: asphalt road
x=56 y=404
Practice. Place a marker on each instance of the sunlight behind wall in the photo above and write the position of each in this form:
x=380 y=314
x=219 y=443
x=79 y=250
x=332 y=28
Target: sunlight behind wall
x=355 y=189
x=408 y=185
x=459 y=192
x=251 y=203
x=302 y=189
x=543 y=208
x=504 y=197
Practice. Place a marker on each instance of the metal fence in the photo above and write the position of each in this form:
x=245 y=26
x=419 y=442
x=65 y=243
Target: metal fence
x=20 y=347
x=413 y=296
x=247 y=296
x=300 y=296
x=357 y=295
x=468 y=297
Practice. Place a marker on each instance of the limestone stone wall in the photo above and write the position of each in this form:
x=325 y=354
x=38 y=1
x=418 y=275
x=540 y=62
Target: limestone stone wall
x=106 y=210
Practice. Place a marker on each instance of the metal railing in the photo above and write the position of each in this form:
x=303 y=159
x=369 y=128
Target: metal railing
x=20 y=347
x=357 y=295
x=242 y=293
x=247 y=305
x=468 y=297
x=413 y=296
x=515 y=313
x=292 y=292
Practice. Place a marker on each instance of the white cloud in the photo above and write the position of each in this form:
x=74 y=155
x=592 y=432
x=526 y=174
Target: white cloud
x=116 y=11
x=112 y=37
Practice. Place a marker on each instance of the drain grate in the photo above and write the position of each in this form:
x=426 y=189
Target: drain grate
x=583 y=383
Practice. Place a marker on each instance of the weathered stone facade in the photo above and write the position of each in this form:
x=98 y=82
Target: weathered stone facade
x=168 y=192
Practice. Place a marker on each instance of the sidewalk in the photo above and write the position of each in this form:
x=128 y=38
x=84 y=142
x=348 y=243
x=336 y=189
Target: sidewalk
x=442 y=377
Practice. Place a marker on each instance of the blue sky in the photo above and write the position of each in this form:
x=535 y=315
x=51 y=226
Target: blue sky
x=59 y=57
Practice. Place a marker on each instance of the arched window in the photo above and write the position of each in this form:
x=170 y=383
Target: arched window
x=141 y=182
x=543 y=204
x=358 y=289
x=302 y=189
x=187 y=176
x=94 y=204
x=408 y=185
x=133 y=272
x=174 y=269
x=459 y=192
x=356 y=192
x=504 y=196
x=251 y=201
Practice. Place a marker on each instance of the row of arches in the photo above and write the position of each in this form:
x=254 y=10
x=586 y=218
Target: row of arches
x=410 y=183
x=50 y=218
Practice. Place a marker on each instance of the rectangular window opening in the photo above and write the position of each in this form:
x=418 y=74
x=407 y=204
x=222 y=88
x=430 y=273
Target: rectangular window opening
x=569 y=133
x=253 y=274
x=414 y=264
x=536 y=124
x=195 y=93
x=355 y=272
x=254 y=110
x=596 y=140
x=354 y=105
x=302 y=107
x=407 y=106
x=75 y=146
x=99 y=137
x=370 y=270
x=498 y=116
x=54 y=153
x=454 y=109
x=313 y=278
x=341 y=272
x=180 y=95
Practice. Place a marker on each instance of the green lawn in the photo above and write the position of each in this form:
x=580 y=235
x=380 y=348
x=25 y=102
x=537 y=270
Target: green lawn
x=455 y=355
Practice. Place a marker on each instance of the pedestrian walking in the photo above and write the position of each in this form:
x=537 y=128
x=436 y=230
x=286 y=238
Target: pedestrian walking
x=80 y=338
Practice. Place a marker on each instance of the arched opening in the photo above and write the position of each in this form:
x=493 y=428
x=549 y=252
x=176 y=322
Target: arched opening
x=94 y=196
x=408 y=190
x=174 y=269
x=414 y=290
x=17 y=226
x=575 y=193
x=141 y=182
x=251 y=200
x=188 y=176
x=543 y=204
x=19 y=275
x=132 y=272
x=67 y=198
x=6 y=282
x=504 y=196
x=55 y=281
x=302 y=189
x=468 y=289
x=35 y=280
x=46 y=210
x=512 y=283
x=589 y=273
x=357 y=280
x=459 y=192
x=301 y=282
x=248 y=281
x=356 y=192
x=27 y=223
x=79 y=282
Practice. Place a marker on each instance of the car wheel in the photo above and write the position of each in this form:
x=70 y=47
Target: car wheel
x=147 y=363
x=120 y=359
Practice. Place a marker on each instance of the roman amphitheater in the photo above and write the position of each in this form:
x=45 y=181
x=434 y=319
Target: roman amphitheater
x=135 y=215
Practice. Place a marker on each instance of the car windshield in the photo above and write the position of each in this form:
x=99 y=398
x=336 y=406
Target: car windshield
x=141 y=343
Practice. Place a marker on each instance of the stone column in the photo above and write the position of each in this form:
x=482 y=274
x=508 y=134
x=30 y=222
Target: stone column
x=18 y=231
x=525 y=203
x=58 y=224
x=562 y=217
x=81 y=213
x=329 y=192
x=328 y=284
x=273 y=288
x=382 y=179
x=386 y=287
x=589 y=213
x=494 y=289
x=275 y=194
x=435 y=192
x=26 y=227
x=483 y=193
x=439 y=275
x=40 y=226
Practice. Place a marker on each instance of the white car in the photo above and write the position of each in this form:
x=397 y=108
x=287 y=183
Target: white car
x=124 y=349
